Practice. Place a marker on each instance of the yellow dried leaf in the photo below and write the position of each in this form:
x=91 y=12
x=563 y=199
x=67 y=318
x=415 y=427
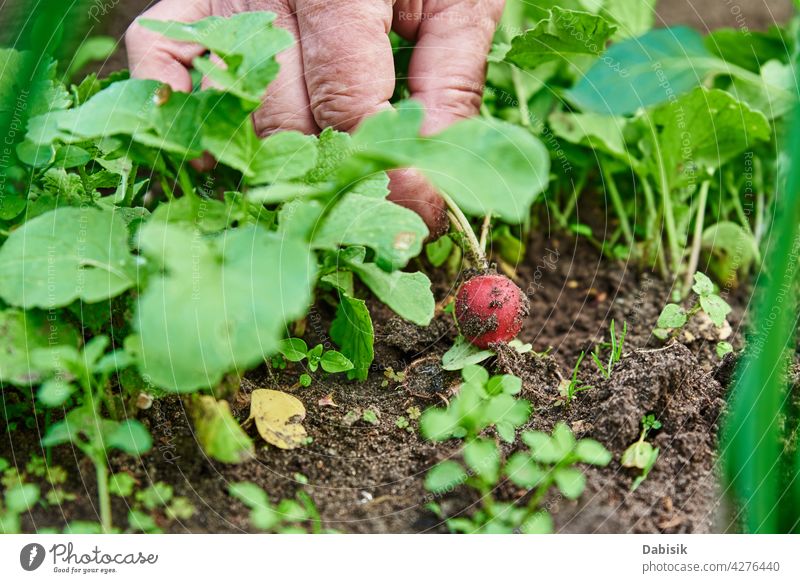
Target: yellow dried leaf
x=278 y=418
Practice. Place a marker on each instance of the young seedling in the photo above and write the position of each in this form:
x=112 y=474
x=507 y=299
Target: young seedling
x=569 y=388
x=615 y=346
x=83 y=376
x=674 y=317
x=288 y=517
x=550 y=461
x=642 y=455
x=331 y=361
x=17 y=500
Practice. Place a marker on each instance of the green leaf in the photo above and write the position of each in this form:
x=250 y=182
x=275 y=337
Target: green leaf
x=218 y=432
x=706 y=128
x=632 y=17
x=121 y=484
x=223 y=306
x=564 y=35
x=672 y=316
x=445 y=476
x=131 y=437
x=395 y=233
x=508 y=384
x=592 y=452
x=96 y=48
x=703 y=286
x=772 y=93
x=603 y=133
x=64 y=255
x=439 y=251
x=563 y=437
x=281 y=157
x=247 y=43
x=21 y=498
x=538 y=523
x=249 y=494
x=716 y=308
x=462 y=354
x=724 y=348
x=475 y=374
x=437 y=424
x=523 y=471
x=486 y=166
x=407 y=294
x=543 y=448
x=352 y=331
x=139 y=521
x=293 y=349
x=636 y=73
x=54 y=392
x=482 y=456
x=570 y=482
x=334 y=362
x=23 y=333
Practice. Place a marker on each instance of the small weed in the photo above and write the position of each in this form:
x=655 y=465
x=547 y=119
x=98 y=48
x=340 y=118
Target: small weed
x=615 y=346
x=299 y=516
x=642 y=455
x=569 y=388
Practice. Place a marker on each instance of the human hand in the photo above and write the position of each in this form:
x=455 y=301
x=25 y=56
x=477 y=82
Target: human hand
x=341 y=69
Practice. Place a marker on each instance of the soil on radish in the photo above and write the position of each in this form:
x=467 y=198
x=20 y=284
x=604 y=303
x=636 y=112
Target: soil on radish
x=369 y=478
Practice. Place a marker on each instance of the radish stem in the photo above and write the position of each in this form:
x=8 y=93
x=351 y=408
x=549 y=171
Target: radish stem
x=459 y=219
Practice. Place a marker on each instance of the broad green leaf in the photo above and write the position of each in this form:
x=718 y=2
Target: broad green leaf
x=96 y=48
x=249 y=494
x=508 y=384
x=438 y=251
x=486 y=166
x=395 y=233
x=437 y=424
x=571 y=482
x=539 y=523
x=64 y=255
x=640 y=72
x=632 y=17
x=131 y=437
x=543 y=448
x=474 y=374
x=223 y=306
x=716 y=308
x=563 y=437
x=281 y=157
x=592 y=452
x=672 y=316
x=523 y=471
x=22 y=333
x=703 y=130
x=352 y=330
x=445 y=476
x=462 y=354
x=505 y=408
x=218 y=433
x=247 y=42
x=564 y=35
x=408 y=294
x=293 y=349
x=703 y=286
x=334 y=362
x=603 y=133
x=482 y=456
x=773 y=93
x=750 y=49
x=54 y=392
x=121 y=484
x=21 y=498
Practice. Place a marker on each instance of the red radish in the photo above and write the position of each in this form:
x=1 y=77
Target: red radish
x=490 y=308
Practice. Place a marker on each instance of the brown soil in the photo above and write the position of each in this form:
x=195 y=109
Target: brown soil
x=369 y=478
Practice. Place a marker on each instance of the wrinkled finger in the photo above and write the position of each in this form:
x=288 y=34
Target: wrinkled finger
x=409 y=188
x=347 y=57
x=153 y=56
x=286 y=105
x=448 y=66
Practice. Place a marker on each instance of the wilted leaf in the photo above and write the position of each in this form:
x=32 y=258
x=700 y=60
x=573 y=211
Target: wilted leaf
x=278 y=418
x=218 y=432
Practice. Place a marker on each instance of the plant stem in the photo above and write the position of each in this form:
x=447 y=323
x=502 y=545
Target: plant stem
x=485 y=232
x=697 y=241
x=650 y=204
x=461 y=222
x=101 y=471
x=522 y=99
x=669 y=218
x=619 y=208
